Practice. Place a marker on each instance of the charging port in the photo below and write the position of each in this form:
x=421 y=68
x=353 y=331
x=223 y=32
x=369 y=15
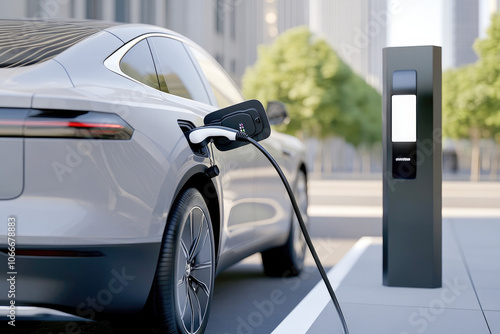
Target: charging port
x=186 y=127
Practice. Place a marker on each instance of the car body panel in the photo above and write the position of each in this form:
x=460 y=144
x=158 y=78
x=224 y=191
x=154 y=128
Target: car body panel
x=111 y=278
x=130 y=31
x=11 y=167
x=46 y=75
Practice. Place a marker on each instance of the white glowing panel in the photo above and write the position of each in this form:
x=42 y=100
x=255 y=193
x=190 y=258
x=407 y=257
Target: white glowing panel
x=404 y=118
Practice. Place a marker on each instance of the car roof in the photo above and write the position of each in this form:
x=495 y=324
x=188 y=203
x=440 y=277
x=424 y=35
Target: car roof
x=26 y=42
x=77 y=62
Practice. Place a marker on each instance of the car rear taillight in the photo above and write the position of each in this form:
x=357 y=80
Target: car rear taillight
x=63 y=124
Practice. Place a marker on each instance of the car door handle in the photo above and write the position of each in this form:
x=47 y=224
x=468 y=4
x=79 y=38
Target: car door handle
x=287 y=153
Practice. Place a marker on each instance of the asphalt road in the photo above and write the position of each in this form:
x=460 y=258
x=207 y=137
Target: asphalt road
x=247 y=302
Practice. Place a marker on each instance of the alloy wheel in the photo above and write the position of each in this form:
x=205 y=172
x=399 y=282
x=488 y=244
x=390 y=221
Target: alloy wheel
x=194 y=270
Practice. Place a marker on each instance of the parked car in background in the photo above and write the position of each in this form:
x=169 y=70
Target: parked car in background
x=111 y=211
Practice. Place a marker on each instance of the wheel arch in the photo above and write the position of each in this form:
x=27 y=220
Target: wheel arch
x=198 y=179
x=195 y=178
x=303 y=169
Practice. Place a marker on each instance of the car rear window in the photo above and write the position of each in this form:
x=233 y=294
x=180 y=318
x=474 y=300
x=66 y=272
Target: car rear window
x=28 y=42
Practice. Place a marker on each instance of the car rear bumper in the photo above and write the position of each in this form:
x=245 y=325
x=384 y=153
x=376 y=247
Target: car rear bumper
x=84 y=281
x=33 y=313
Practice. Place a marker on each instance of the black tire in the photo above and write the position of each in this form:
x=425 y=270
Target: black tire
x=183 y=286
x=288 y=260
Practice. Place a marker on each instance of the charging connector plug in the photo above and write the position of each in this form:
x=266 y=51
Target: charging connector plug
x=201 y=135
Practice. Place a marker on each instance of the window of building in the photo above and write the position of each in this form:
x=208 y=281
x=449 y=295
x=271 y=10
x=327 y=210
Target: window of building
x=148 y=11
x=122 y=11
x=94 y=10
x=138 y=64
x=176 y=72
x=33 y=9
x=220 y=59
x=219 y=16
x=233 y=20
x=233 y=67
x=225 y=91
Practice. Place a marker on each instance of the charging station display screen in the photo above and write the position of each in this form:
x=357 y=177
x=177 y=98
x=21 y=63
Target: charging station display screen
x=404 y=118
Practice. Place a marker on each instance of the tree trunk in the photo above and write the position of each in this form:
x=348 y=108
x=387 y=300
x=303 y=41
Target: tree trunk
x=323 y=159
x=476 y=154
x=367 y=160
x=318 y=159
x=364 y=154
x=494 y=162
x=323 y=151
x=357 y=163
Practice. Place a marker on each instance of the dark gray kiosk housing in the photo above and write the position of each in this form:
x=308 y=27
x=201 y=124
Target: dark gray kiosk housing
x=412 y=167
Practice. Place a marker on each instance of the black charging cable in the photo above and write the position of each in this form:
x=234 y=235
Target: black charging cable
x=241 y=136
x=200 y=136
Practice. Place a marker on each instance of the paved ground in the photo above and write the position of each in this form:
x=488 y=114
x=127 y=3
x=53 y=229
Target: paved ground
x=468 y=302
x=246 y=301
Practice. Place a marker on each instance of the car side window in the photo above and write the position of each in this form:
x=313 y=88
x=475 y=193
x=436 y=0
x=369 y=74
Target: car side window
x=138 y=64
x=225 y=91
x=176 y=72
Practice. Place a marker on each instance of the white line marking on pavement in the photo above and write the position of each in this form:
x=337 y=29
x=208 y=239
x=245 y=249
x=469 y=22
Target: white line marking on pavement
x=308 y=310
x=346 y=211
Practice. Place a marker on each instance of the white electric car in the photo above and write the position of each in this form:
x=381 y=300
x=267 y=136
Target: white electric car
x=106 y=208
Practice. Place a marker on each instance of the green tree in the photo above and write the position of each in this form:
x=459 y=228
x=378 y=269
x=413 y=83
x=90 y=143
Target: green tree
x=471 y=98
x=323 y=95
x=488 y=75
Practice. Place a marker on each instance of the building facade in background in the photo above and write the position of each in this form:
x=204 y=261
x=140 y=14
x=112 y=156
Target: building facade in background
x=230 y=30
x=357 y=30
x=465 y=30
x=461 y=29
x=464 y=21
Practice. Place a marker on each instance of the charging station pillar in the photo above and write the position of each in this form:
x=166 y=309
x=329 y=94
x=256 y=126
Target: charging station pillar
x=412 y=168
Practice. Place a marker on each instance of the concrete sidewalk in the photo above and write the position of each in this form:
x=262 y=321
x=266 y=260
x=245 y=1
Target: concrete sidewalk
x=468 y=302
